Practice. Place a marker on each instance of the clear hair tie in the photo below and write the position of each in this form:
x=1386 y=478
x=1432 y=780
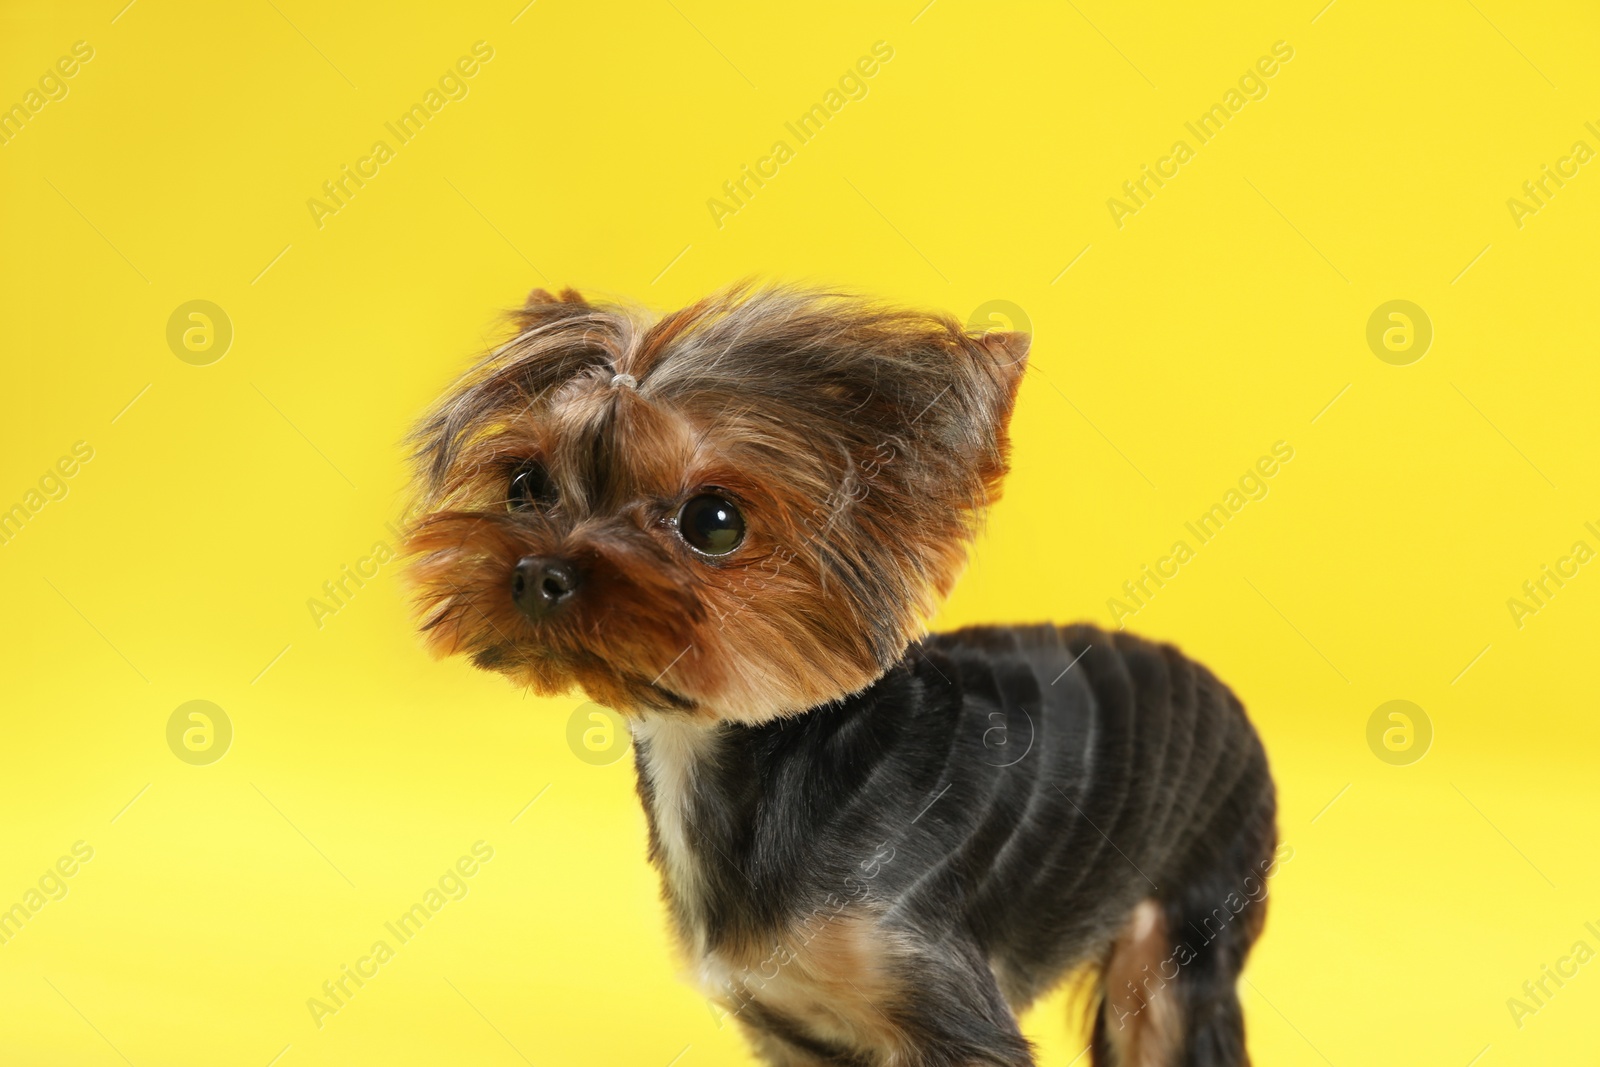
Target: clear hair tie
x=627 y=381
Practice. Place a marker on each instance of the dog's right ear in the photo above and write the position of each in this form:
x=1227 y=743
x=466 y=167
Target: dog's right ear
x=542 y=296
x=541 y=307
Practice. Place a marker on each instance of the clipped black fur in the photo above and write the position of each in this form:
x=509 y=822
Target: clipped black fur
x=1133 y=773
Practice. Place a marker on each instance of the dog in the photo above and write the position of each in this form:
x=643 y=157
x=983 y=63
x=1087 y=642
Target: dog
x=731 y=524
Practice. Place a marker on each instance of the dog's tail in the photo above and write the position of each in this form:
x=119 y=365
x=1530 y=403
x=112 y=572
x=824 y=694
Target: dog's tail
x=1169 y=987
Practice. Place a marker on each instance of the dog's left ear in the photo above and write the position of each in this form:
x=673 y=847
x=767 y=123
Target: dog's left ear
x=1009 y=350
x=1000 y=357
x=988 y=369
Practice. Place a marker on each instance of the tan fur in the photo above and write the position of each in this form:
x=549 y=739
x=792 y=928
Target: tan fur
x=1141 y=1006
x=835 y=975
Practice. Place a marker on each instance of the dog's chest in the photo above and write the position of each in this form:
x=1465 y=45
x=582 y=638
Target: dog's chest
x=813 y=968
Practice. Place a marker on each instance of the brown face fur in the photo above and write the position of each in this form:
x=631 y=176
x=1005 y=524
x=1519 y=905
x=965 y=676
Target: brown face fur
x=860 y=444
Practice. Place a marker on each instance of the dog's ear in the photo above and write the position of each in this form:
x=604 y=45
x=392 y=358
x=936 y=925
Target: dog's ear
x=541 y=307
x=542 y=296
x=1008 y=352
x=999 y=359
x=975 y=415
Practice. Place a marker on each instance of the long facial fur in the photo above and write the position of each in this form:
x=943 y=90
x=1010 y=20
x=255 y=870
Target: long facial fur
x=861 y=442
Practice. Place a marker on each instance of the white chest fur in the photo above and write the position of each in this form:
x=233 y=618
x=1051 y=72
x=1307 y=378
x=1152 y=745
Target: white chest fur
x=824 y=969
x=673 y=750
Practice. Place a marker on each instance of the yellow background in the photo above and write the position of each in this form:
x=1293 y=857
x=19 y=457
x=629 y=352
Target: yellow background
x=1224 y=316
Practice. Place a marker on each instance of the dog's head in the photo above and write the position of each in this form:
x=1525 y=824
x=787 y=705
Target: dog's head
x=740 y=510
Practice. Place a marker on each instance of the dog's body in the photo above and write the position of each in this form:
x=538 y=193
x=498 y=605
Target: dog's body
x=889 y=878
x=730 y=525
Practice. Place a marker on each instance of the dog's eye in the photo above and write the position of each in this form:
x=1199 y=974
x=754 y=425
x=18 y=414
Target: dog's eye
x=711 y=524
x=530 y=487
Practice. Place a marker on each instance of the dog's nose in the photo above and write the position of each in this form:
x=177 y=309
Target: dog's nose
x=540 y=585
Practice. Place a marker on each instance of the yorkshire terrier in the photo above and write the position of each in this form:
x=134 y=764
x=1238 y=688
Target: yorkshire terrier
x=731 y=525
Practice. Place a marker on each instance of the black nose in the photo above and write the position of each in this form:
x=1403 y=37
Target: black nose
x=540 y=585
